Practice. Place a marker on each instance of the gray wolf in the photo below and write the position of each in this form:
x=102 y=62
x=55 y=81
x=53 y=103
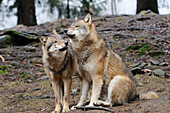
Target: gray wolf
x=99 y=66
x=60 y=65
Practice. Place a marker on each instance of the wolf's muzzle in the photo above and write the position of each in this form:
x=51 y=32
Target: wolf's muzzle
x=65 y=47
x=70 y=35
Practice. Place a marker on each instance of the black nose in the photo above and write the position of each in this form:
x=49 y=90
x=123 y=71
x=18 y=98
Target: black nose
x=65 y=31
x=66 y=43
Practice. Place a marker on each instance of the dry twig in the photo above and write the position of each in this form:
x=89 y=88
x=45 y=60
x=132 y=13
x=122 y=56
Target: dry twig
x=94 y=108
x=2 y=58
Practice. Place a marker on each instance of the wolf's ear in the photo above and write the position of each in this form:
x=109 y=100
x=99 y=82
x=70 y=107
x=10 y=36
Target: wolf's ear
x=76 y=18
x=88 y=19
x=43 y=39
x=54 y=32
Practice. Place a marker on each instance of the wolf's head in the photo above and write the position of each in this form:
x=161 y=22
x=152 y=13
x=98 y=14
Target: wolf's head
x=53 y=45
x=80 y=29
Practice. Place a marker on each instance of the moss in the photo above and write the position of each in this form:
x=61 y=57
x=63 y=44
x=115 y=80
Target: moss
x=30 y=37
x=26 y=102
x=141 y=53
x=156 y=53
x=144 y=48
x=117 y=36
x=140 y=48
x=11 y=31
x=3 y=69
x=25 y=75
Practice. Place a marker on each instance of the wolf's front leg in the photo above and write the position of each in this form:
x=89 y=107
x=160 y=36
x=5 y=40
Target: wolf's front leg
x=85 y=88
x=58 y=95
x=96 y=89
x=66 y=99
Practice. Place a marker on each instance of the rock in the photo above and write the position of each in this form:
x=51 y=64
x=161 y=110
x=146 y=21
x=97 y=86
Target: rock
x=137 y=64
x=75 y=90
x=137 y=70
x=36 y=89
x=15 y=38
x=29 y=49
x=43 y=78
x=43 y=109
x=47 y=96
x=161 y=90
x=142 y=65
x=5 y=41
x=159 y=73
x=153 y=62
x=163 y=64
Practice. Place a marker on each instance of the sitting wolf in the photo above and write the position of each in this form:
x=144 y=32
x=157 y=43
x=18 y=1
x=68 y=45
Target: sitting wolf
x=98 y=64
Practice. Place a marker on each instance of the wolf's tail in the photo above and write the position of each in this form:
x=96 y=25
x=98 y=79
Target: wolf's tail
x=148 y=95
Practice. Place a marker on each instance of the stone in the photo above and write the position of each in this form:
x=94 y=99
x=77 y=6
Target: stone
x=36 y=89
x=75 y=90
x=43 y=78
x=153 y=62
x=47 y=96
x=137 y=70
x=137 y=64
x=159 y=73
x=5 y=41
x=29 y=49
x=142 y=65
x=163 y=64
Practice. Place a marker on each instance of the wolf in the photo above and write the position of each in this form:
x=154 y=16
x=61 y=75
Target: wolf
x=98 y=65
x=60 y=65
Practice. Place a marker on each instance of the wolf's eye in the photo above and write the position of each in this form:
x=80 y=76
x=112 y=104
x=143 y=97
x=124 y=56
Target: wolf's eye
x=77 y=26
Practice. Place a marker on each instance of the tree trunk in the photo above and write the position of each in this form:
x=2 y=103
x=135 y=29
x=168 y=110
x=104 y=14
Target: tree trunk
x=26 y=12
x=68 y=9
x=85 y=7
x=146 y=5
x=112 y=6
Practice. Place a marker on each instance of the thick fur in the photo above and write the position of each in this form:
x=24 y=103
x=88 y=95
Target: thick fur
x=60 y=65
x=98 y=66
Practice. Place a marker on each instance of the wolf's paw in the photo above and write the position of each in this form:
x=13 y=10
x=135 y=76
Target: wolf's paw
x=90 y=104
x=55 y=112
x=65 y=110
x=95 y=102
x=73 y=108
x=57 y=108
x=99 y=103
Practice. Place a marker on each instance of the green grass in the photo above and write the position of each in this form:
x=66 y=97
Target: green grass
x=142 y=47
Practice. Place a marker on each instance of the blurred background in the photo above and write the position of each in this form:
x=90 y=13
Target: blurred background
x=33 y=12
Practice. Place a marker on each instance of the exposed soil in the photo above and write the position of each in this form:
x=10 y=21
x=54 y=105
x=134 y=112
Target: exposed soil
x=25 y=88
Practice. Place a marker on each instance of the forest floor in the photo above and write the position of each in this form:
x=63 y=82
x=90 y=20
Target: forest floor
x=142 y=38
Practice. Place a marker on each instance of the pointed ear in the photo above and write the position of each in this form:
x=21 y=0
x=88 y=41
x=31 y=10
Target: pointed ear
x=43 y=39
x=54 y=32
x=88 y=19
x=76 y=18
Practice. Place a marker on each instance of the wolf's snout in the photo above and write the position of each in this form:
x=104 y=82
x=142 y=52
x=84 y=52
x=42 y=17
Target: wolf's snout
x=65 y=31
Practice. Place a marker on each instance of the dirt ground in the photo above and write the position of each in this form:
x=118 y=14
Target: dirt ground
x=24 y=87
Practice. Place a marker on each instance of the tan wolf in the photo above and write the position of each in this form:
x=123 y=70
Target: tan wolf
x=60 y=65
x=98 y=66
